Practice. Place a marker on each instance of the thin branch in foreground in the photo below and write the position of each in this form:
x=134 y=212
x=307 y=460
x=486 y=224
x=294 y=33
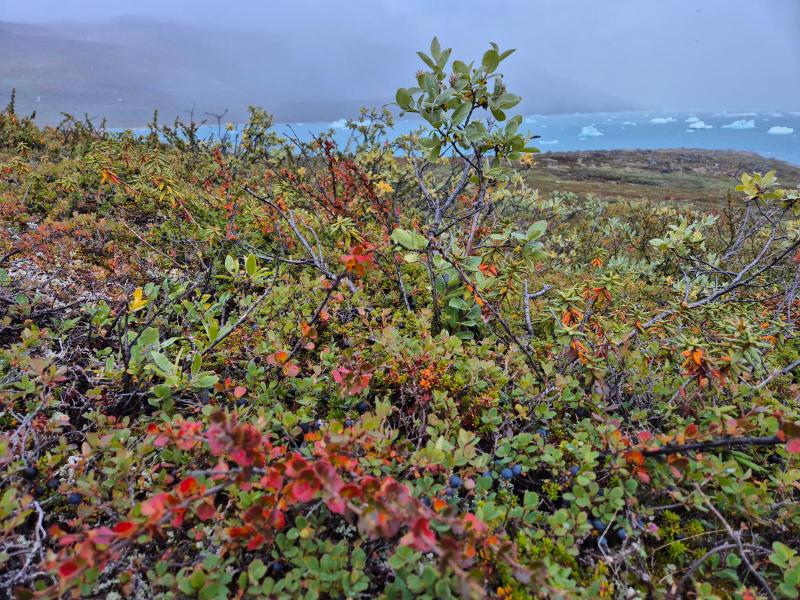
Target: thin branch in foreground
x=725 y=442
x=737 y=538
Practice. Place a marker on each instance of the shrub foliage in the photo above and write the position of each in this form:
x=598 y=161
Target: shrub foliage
x=256 y=366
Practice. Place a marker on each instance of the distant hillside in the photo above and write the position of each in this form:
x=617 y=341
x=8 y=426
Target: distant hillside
x=125 y=68
x=703 y=178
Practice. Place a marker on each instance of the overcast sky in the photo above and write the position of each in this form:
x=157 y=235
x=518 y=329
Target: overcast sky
x=662 y=54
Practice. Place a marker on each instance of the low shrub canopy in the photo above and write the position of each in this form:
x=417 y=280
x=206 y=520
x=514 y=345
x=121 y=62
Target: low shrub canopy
x=256 y=366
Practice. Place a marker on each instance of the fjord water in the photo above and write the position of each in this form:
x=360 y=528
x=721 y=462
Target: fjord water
x=771 y=134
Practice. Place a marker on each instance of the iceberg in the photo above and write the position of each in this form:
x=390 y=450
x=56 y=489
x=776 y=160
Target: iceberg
x=725 y=113
x=591 y=131
x=700 y=125
x=741 y=124
x=780 y=130
x=662 y=120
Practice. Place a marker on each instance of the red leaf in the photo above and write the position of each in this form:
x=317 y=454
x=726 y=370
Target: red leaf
x=420 y=537
x=303 y=490
x=278 y=519
x=205 y=511
x=691 y=431
x=290 y=369
x=256 y=542
x=642 y=474
x=124 y=528
x=188 y=486
x=793 y=446
x=337 y=505
x=240 y=391
x=68 y=569
x=644 y=436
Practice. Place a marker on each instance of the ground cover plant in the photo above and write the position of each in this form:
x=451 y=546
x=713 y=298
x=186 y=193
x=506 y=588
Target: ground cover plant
x=261 y=367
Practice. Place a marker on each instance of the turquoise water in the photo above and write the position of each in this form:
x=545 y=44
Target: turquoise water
x=771 y=134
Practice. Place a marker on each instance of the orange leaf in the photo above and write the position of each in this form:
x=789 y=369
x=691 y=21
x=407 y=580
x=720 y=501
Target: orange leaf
x=635 y=457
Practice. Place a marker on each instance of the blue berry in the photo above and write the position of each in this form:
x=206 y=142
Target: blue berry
x=517 y=469
x=487 y=474
x=621 y=533
x=603 y=542
x=277 y=569
x=449 y=492
x=542 y=432
x=455 y=481
x=348 y=422
x=362 y=407
x=575 y=470
x=74 y=498
x=599 y=525
x=426 y=501
x=507 y=473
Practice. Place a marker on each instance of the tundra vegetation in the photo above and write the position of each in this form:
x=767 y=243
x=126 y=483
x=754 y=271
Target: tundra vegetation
x=262 y=367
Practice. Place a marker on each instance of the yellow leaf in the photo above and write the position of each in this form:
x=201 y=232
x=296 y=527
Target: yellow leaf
x=138 y=301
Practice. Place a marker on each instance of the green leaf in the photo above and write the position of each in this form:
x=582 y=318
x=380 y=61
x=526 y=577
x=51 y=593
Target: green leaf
x=536 y=230
x=490 y=60
x=460 y=113
x=197 y=363
x=409 y=240
x=256 y=570
x=403 y=98
x=231 y=265
x=460 y=67
x=498 y=114
x=436 y=48
x=507 y=53
x=506 y=101
x=426 y=60
x=459 y=303
x=148 y=336
x=250 y=264
x=162 y=362
x=206 y=380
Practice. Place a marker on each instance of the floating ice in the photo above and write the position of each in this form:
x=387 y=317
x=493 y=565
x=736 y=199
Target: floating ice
x=591 y=131
x=725 y=113
x=780 y=130
x=691 y=120
x=662 y=120
x=741 y=124
x=700 y=125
